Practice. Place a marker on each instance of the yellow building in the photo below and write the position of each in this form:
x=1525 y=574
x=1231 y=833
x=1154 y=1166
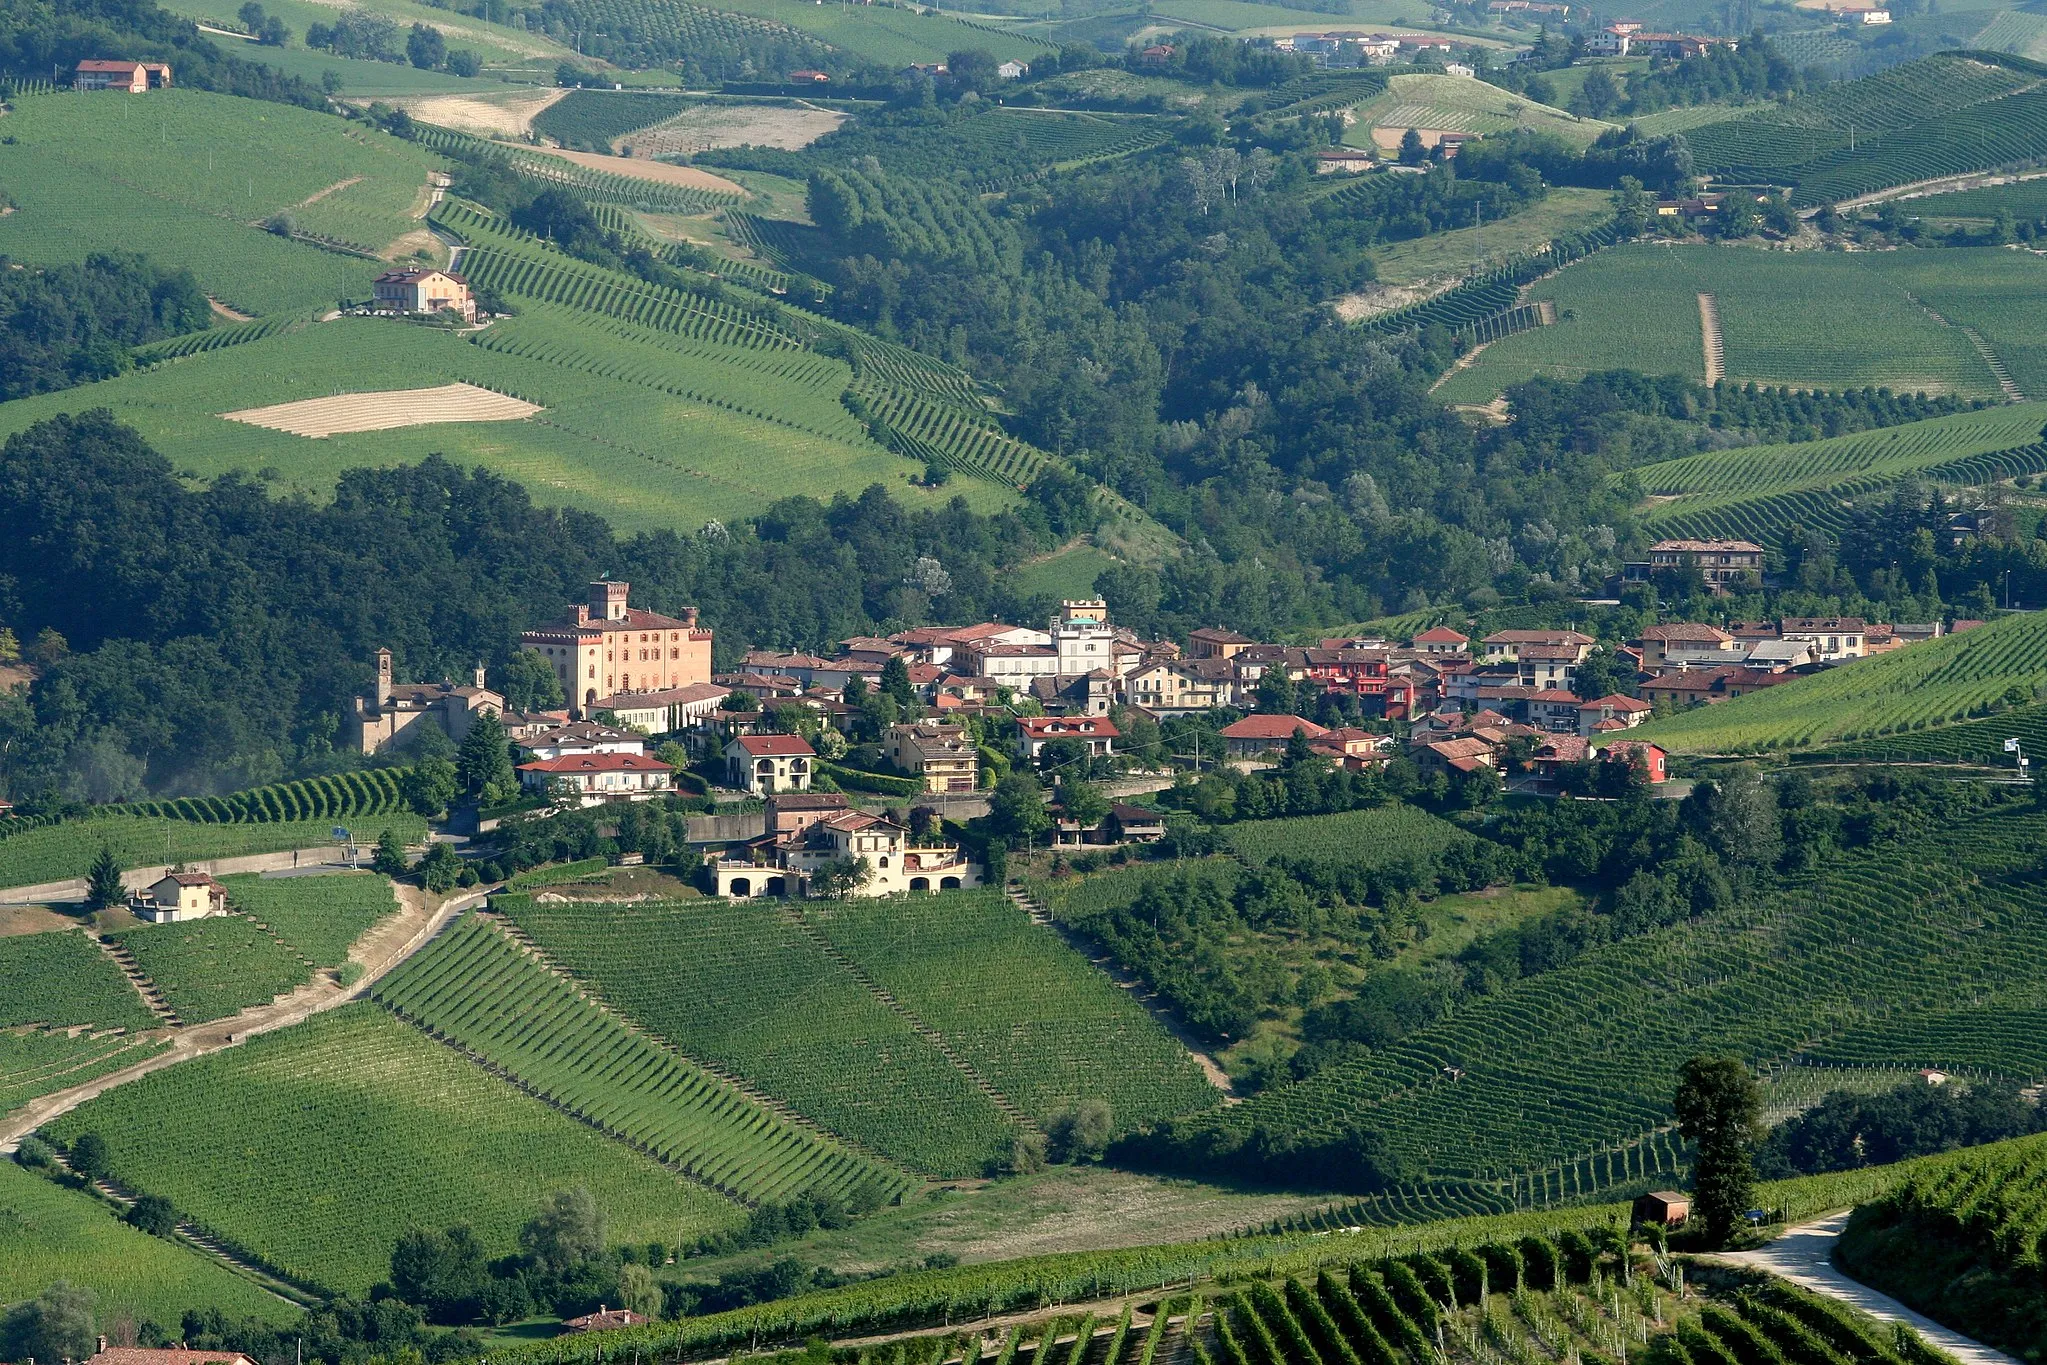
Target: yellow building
x=943 y=757
x=605 y=648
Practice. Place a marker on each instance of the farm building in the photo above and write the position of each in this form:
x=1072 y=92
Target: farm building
x=425 y=291
x=177 y=897
x=96 y=73
x=143 y=1355
x=387 y=714
x=1332 y=161
x=1667 y=1207
x=605 y=1320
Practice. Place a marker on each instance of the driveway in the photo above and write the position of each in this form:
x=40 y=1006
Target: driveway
x=1804 y=1256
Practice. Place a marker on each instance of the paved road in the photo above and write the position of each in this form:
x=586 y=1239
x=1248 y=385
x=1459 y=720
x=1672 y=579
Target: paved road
x=1804 y=1256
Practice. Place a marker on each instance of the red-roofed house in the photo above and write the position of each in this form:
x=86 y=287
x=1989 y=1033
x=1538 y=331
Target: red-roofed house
x=595 y=777
x=99 y=73
x=1456 y=755
x=143 y=1355
x=1685 y=643
x=1441 y=640
x=1615 y=710
x=1651 y=758
x=1553 y=710
x=425 y=291
x=1033 y=733
x=764 y=764
x=605 y=1320
x=179 y=896
x=1254 y=735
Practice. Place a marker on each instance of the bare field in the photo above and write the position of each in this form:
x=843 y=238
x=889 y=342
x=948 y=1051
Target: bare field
x=639 y=168
x=705 y=126
x=383 y=411
x=494 y=115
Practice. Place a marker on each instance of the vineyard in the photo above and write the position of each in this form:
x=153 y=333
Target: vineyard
x=656 y=32
x=1971 y=741
x=1538 y=1077
x=212 y=968
x=2022 y=199
x=951 y=436
x=62 y=979
x=2000 y=1036
x=1370 y=837
x=747 y=990
x=1960 y=1240
x=54 y=853
x=51 y=1233
x=312 y=1148
x=35 y=1062
x=373 y=791
x=1814 y=320
x=1457 y=105
x=1081 y=898
x=593 y=185
x=318 y=917
x=596 y=118
x=1928 y=685
x=1028 y=1014
x=1758 y=491
x=474 y=989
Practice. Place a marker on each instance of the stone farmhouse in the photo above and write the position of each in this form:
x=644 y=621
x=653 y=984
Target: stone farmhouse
x=425 y=291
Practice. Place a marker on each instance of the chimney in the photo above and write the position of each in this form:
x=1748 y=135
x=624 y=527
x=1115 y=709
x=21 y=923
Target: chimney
x=607 y=599
x=383 y=678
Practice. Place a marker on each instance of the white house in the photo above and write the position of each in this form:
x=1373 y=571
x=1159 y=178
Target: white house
x=1011 y=71
x=179 y=896
x=594 y=777
x=763 y=764
x=784 y=864
x=585 y=737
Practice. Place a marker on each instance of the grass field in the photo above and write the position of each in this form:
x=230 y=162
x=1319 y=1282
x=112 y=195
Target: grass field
x=60 y=852
x=472 y=986
x=1806 y=319
x=1468 y=251
x=48 y=1233
x=1031 y=1016
x=1927 y=685
x=517 y=51
x=1759 y=491
x=189 y=177
x=1070 y=572
x=351 y=1127
x=361 y=80
x=740 y=987
x=211 y=968
x=1462 y=105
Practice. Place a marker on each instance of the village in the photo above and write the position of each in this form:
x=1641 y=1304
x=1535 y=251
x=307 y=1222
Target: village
x=929 y=719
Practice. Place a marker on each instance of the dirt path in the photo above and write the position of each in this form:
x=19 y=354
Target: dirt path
x=317 y=195
x=1804 y=1256
x=1710 y=337
x=221 y=310
x=384 y=946
x=1919 y=189
x=1991 y=360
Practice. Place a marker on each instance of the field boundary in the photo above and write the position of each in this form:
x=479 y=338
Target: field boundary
x=1710 y=336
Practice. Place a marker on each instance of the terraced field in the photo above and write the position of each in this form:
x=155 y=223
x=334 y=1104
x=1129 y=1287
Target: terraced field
x=1542 y=1078
x=318 y=917
x=475 y=989
x=1807 y=319
x=1758 y=491
x=212 y=968
x=746 y=990
x=59 y=852
x=191 y=178
x=1928 y=685
x=1026 y=1012
x=351 y=1127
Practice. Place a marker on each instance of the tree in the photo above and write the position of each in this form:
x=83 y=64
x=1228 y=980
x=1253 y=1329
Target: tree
x=103 y=882
x=483 y=765
x=55 y=1325
x=528 y=682
x=1083 y=801
x=839 y=878
x=1082 y=1132
x=1720 y=1109
x=1600 y=674
x=567 y=1231
x=855 y=691
x=1275 y=688
x=742 y=703
x=389 y=859
x=1747 y=827
x=10 y=647
x=1412 y=152
x=895 y=682
x=153 y=1214
x=1634 y=208
x=1016 y=809
x=440 y=868
x=444 y=1273
x=639 y=1291
x=463 y=62
x=425 y=48
x=1598 y=95
x=88 y=1157
x=432 y=784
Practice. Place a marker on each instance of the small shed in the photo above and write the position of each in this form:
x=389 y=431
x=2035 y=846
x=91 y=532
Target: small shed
x=1666 y=1207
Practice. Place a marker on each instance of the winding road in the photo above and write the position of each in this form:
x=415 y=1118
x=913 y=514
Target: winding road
x=1804 y=1256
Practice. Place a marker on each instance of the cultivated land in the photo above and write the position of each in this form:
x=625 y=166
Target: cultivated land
x=1445 y=256
x=1756 y=492
x=1928 y=685
x=353 y=1126
x=58 y=853
x=191 y=180
x=48 y=1233
x=1804 y=319
x=353 y=412
x=1457 y=104
x=517 y=52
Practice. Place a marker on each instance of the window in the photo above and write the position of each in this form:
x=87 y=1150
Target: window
x=593 y=672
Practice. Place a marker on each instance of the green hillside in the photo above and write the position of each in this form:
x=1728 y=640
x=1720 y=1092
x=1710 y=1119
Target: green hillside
x=1460 y=104
x=1757 y=492
x=67 y=1015
x=48 y=1233
x=56 y=853
x=190 y=178
x=1926 y=685
x=1808 y=319
x=350 y=1128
